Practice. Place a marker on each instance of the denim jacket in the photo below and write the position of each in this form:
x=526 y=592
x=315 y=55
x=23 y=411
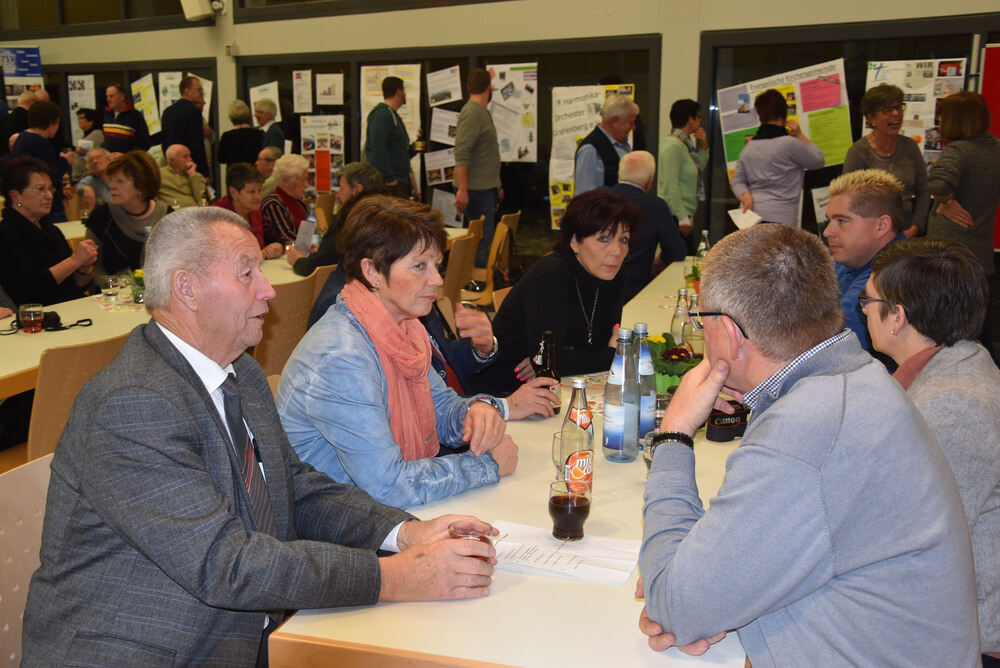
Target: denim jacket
x=333 y=403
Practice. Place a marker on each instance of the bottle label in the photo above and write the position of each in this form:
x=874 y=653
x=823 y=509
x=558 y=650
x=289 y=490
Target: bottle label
x=579 y=471
x=614 y=426
x=617 y=374
x=645 y=362
x=647 y=413
x=583 y=418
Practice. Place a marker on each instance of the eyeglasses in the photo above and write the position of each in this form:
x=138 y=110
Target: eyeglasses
x=698 y=323
x=40 y=189
x=865 y=300
x=889 y=108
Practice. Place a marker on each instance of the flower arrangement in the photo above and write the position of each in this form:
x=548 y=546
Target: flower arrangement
x=670 y=361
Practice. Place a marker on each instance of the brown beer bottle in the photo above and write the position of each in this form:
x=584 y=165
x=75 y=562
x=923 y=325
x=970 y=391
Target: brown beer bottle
x=546 y=365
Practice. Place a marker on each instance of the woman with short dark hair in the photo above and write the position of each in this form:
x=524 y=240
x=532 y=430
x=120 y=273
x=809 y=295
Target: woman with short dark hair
x=886 y=149
x=43 y=125
x=359 y=399
x=90 y=123
x=926 y=302
x=120 y=227
x=769 y=174
x=577 y=292
x=964 y=179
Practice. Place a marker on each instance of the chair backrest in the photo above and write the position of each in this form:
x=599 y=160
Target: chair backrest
x=325 y=203
x=499 y=296
x=447 y=311
x=511 y=220
x=476 y=228
x=72 y=206
x=273 y=380
x=22 y=510
x=461 y=257
x=322 y=221
x=285 y=323
x=499 y=257
x=322 y=273
x=62 y=373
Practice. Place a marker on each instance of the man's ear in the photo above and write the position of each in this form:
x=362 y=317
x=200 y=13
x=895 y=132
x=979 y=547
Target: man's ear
x=184 y=286
x=883 y=226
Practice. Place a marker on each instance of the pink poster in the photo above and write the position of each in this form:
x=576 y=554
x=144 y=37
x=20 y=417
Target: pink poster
x=820 y=93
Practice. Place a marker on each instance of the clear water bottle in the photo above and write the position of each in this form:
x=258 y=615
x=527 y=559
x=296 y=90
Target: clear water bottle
x=703 y=246
x=680 y=315
x=694 y=339
x=576 y=451
x=621 y=404
x=647 y=380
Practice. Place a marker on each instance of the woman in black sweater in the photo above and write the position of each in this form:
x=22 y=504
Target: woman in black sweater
x=577 y=292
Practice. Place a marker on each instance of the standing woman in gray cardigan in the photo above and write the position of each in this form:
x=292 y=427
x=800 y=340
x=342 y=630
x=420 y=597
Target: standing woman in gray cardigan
x=926 y=301
x=963 y=181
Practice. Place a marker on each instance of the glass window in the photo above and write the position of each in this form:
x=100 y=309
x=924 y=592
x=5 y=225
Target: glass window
x=29 y=14
x=91 y=11
x=141 y=9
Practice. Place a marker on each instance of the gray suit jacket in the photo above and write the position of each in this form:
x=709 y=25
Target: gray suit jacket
x=958 y=393
x=149 y=554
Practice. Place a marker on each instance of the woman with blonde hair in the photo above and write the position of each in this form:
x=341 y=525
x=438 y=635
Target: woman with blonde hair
x=243 y=142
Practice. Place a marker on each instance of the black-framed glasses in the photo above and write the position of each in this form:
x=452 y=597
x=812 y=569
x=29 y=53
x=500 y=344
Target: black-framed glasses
x=865 y=300
x=698 y=323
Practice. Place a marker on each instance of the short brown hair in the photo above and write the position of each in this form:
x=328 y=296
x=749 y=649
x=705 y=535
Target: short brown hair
x=963 y=115
x=770 y=106
x=778 y=283
x=42 y=114
x=883 y=95
x=141 y=168
x=872 y=193
x=939 y=283
x=596 y=211
x=384 y=229
x=478 y=81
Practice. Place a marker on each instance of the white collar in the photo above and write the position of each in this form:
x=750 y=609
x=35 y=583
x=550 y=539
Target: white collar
x=211 y=374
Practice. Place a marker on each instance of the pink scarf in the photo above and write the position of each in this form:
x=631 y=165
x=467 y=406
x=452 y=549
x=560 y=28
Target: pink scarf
x=404 y=352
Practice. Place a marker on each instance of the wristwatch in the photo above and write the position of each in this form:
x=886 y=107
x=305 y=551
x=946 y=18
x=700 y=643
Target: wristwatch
x=669 y=437
x=487 y=399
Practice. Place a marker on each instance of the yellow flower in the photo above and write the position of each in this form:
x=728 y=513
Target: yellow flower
x=139 y=273
x=656 y=338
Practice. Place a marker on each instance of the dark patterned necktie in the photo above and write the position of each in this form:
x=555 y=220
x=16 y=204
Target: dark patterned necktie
x=250 y=471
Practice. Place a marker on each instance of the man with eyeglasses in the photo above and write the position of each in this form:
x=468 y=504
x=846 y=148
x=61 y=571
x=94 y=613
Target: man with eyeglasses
x=838 y=535
x=265 y=165
x=866 y=215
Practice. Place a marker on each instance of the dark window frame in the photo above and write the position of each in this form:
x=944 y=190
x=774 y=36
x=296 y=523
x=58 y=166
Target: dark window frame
x=318 y=8
x=972 y=25
x=103 y=27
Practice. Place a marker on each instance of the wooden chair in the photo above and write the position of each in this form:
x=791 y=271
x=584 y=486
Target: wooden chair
x=285 y=323
x=72 y=205
x=322 y=221
x=273 y=381
x=22 y=509
x=322 y=273
x=499 y=258
x=62 y=373
x=511 y=220
x=447 y=311
x=499 y=296
x=459 y=269
x=476 y=228
x=325 y=203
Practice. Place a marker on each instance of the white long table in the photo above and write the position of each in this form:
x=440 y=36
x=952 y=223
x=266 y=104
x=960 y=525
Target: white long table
x=527 y=620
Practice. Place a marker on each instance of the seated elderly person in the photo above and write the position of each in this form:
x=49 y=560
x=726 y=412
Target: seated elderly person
x=120 y=227
x=283 y=210
x=925 y=302
x=180 y=183
x=577 y=292
x=266 y=159
x=243 y=181
x=358 y=398
x=93 y=187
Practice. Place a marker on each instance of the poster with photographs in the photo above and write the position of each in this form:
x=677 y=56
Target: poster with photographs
x=444 y=86
x=371 y=95
x=323 y=145
x=514 y=108
x=440 y=166
x=444 y=125
x=82 y=95
x=144 y=99
x=924 y=83
x=817 y=101
x=169 y=84
x=22 y=70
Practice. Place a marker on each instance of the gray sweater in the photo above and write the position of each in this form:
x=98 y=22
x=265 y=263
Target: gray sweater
x=476 y=146
x=837 y=537
x=969 y=168
x=958 y=393
x=906 y=164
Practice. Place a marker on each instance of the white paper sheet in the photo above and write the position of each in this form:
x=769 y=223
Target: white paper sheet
x=444 y=124
x=742 y=219
x=529 y=549
x=302 y=91
x=444 y=86
x=445 y=203
x=330 y=88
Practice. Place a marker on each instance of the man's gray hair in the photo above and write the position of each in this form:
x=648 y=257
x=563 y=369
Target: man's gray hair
x=778 y=283
x=272 y=152
x=618 y=106
x=267 y=105
x=26 y=98
x=290 y=164
x=636 y=167
x=184 y=239
x=239 y=112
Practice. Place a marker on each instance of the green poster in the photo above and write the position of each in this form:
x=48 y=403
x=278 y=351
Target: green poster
x=830 y=130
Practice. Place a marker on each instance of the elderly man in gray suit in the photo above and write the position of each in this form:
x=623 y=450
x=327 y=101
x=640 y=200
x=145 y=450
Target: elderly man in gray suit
x=180 y=525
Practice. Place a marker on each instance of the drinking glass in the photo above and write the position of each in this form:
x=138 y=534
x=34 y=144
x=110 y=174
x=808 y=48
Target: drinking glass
x=31 y=316
x=109 y=288
x=569 y=507
x=466 y=530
